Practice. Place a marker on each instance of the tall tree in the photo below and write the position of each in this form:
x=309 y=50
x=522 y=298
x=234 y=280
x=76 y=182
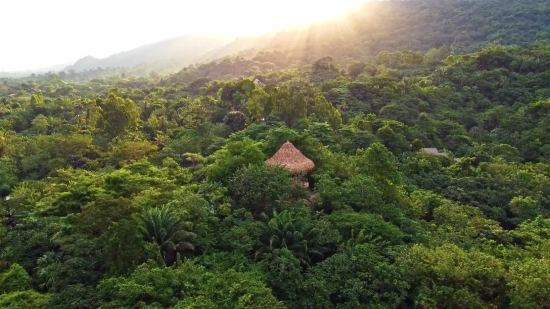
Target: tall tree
x=290 y=104
x=327 y=112
x=164 y=227
x=119 y=116
x=258 y=104
x=298 y=235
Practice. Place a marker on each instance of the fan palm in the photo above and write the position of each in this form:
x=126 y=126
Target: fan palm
x=164 y=227
x=297 y=235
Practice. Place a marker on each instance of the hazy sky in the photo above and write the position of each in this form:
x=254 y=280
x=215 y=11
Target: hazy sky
x=42 y=33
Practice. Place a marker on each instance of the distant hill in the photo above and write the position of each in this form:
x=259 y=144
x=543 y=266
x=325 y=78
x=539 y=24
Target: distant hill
x=440 y=27
x=359 y=35
x=415 y=25
x=183 y=50
x=19 y=74
x=239 y=45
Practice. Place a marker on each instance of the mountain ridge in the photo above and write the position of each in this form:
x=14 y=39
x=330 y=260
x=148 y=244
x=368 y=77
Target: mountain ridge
x=184 y=49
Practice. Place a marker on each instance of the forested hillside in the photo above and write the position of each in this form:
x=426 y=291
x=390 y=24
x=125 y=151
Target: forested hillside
x=429 y=26
x=121 y=191
x=361 y=34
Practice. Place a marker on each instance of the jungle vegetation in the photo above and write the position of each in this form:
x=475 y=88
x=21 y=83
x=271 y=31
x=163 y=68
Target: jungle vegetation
x=123 y=190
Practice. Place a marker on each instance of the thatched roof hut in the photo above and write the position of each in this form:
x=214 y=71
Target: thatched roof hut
x=292 y=159
x=434 y=151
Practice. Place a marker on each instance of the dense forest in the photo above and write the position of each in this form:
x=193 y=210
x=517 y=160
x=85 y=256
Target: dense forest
x=123 y=190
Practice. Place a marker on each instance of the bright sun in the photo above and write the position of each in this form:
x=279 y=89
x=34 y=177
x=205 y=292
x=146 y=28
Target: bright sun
x=134 y=23
x=328 y=10
x=288 y=13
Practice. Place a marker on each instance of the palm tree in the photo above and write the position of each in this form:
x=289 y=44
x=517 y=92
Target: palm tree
x=164 y=227
x=47 y=271
x=297 y=235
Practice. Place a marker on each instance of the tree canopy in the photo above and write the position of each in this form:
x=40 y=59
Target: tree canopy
x=428 y=126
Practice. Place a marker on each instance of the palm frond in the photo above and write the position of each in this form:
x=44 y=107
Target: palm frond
x=164 y=227
x=285 y=231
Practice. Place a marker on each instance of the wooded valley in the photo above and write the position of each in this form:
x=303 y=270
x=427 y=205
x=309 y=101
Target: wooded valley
x=132 y=188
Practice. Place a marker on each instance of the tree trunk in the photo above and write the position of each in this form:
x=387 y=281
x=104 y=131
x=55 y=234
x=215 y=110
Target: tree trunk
x=170 y=256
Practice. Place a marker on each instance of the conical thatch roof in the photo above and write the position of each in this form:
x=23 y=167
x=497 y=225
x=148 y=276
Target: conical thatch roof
x=292 y=159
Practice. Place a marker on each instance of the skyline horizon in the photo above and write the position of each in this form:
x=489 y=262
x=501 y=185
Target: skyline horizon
x=233 y=19
x=68 y=63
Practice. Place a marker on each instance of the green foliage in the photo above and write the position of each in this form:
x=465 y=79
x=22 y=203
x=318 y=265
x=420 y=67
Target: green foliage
x=465 y=225
x=527 y=288
x=124 y=188
x=186 y=286
x=283 y=275
x=350 y=225
x=450 y=277
x=231 y=157
x=417 y=145
x=356 y=68
x=24 y=299
x=7 y=181
x=379 y=163
x=235 y=120
x=128 y=152
x=259 y=104
x=40 y=124
x=297 y=235
x=163 y=227
x=74 y=296
x=260 y=188
x=119 y=116
x=125 y=249
x=14 y=279
x=234 y=94
x=30 y=241
x=524 y=208
x=111 y=211
x=354 y=279
x=239 y=232
x=327 y=112
x=232 y=289
x=149 y=285
x=290 y=104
